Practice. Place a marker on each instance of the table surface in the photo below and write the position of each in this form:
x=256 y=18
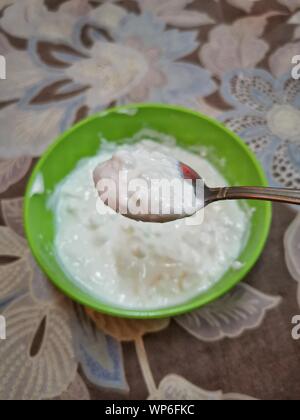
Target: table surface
x=230 y=59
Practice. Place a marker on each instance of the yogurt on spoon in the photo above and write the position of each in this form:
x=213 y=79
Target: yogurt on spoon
x=144 y=181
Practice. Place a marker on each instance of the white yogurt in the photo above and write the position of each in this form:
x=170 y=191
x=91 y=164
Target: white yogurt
x=38 y=186
x=144 y=265
x=145 y=179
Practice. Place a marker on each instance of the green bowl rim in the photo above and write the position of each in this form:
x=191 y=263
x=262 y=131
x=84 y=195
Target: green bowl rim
x=171 y=311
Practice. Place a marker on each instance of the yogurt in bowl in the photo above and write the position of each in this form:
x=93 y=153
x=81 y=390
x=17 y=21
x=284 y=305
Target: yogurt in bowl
x=143 y=265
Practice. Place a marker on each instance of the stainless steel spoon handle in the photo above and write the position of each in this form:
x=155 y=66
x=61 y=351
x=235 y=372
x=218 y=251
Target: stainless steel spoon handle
x=283 y=195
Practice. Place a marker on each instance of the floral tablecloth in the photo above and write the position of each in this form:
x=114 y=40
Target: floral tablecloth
x=230 y=59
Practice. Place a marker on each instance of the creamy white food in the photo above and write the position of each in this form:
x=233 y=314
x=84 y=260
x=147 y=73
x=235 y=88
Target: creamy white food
x=38 y=186
x=145 y=179
x=144 y=265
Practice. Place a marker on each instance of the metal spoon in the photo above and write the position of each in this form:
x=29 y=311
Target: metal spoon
x=211 y=195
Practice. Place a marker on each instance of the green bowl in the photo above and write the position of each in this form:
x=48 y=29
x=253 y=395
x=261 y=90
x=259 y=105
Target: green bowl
x=190 y=129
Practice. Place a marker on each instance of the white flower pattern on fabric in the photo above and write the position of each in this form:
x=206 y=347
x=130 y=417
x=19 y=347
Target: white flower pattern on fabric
x=22 y=73
x=136 y=59
x=167 y=78
x=28 y=131
x=283 y=121
x=174 y=12
x=241 y=309
x=35 y=20
x=41 y=356
x=111 y=71
x=176 y=388
x=238 y=45
x=266 y=116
